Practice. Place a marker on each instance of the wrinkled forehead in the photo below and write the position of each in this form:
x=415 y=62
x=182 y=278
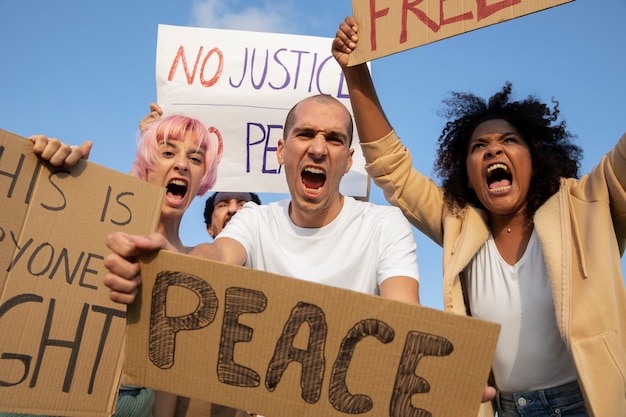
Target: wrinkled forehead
x=191 y=138
x=226 y=196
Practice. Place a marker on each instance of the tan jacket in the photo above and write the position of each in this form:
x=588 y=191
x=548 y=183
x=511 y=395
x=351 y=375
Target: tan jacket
x=582 y=229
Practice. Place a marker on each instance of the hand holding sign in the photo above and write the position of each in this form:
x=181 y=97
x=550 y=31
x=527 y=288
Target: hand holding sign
x=58 y=153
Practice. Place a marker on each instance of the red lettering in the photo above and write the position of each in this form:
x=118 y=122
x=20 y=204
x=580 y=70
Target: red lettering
x=375 y=14
x=218 y=72
x=180 y=55
x=408 y=6
x=458 y=18
x=485 y=10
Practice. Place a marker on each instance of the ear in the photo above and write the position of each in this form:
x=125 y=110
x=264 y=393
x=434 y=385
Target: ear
x=209 y=230
x=280 y=151
x=349 y=164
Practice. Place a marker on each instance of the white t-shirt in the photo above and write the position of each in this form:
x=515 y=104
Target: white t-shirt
x=364 y=245
x=530 y=354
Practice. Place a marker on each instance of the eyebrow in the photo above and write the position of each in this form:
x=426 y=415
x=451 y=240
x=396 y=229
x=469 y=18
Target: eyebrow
x=331 y=133
x=500 y=136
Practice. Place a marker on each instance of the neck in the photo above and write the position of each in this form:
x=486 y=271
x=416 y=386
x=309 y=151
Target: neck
x=169 y=227
x=315 y=217
x=507 y=225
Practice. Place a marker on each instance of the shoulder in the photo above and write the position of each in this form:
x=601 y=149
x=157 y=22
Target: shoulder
x=372 y=209
x=384 y=216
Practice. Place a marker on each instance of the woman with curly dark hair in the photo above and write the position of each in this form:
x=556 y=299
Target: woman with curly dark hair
x=525 y=243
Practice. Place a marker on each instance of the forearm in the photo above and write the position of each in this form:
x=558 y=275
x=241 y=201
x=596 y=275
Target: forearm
x=370 y=119
x=222 y=249
x=207 y=251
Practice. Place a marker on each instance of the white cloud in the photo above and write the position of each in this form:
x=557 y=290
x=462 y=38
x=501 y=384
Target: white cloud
x=262 y=16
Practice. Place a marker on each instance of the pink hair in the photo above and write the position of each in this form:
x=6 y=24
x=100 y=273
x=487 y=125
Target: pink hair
x=174 y=128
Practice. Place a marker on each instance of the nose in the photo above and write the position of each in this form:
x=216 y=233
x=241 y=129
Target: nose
x=233 y=206
x=493 y=150
x=182 y=163
x=318 y=147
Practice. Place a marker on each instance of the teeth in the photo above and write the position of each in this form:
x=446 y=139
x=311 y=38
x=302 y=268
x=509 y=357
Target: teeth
x=496 y=166
x=500 y=189
x=180 y=183
x=314 y=170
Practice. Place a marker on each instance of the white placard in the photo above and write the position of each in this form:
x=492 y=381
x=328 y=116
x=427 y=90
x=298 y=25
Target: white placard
x=242 y=84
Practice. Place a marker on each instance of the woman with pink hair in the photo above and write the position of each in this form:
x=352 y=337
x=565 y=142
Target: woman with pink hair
x=180 y=154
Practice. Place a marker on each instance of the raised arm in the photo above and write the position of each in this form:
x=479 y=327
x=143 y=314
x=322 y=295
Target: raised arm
x=371 y=122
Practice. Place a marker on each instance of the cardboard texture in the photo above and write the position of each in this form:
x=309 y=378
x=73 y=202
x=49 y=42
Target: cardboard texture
x=390 y=26
x=62 y=338
x=280 y=346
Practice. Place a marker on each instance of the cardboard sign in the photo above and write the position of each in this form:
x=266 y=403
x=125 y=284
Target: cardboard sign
x=285 y=347
x=390 y=26
x=62 y=338
x=241 y=85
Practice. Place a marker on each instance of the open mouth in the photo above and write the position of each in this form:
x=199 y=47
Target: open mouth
x=176 y=189
x=499 y=178
x=313 y=179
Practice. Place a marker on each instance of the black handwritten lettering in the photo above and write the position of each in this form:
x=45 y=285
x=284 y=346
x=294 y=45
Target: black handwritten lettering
x=87 y=270
x=14 y=175
x=408 y=383
x=238 y=301
x=32 y=261
x=61 y=173
x=24 y=359
x=44 y=258
x=312 y=359
x=47 y=341
x=110 y=314
x=123 y=221
x=128 y=219
x=69 y=278
x=63 y=259
x=163 y=329
x=339 y=395
x=73 y=345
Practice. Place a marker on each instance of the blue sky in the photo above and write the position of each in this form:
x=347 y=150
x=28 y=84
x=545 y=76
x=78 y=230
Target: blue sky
x=81 y=70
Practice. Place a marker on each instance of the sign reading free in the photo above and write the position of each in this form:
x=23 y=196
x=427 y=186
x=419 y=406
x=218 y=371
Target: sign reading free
x=390 y=26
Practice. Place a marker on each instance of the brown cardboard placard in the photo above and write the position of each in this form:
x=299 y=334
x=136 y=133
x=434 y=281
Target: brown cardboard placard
x=62 y=338
x=390 y=26
x=281 y=346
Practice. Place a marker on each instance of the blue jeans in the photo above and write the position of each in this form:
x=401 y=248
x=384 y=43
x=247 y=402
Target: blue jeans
x=563 y=401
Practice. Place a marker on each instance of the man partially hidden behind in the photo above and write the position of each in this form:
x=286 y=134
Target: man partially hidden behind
x=221 y=206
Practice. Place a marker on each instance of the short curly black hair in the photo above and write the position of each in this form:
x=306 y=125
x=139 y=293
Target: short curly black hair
x=209 y=205
x=552 y=151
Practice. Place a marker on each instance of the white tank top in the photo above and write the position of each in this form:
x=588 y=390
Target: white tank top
x=530 y=353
